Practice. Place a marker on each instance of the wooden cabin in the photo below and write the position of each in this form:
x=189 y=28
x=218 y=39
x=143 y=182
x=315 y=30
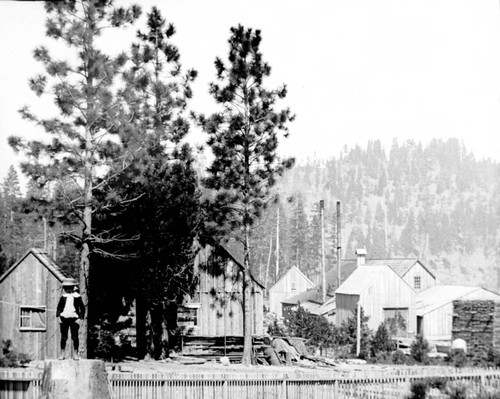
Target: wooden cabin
x=29 y=292
x=380 y=292
x=435 y=308
x=216 y=307
x=291 y=283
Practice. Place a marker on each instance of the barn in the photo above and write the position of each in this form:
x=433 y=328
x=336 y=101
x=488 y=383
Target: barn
x=291 y=283
x=435 y=308
x=29 y=292
x=380 y=292
x=216 y=307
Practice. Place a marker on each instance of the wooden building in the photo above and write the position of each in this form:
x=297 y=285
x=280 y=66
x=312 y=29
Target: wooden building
x=29 y=292
x=291 y=283
x=411 y=270
x=216 y=308
x=435 y=308
x=380 y=292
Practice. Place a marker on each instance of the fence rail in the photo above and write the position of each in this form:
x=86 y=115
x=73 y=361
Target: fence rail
x=373 y=384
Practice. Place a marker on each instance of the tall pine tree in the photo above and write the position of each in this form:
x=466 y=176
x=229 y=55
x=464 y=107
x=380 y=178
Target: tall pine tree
x=244 y=140
x=84 y=142
x=165 y=216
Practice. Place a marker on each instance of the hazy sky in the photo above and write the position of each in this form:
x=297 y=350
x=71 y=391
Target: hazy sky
x=356 y=69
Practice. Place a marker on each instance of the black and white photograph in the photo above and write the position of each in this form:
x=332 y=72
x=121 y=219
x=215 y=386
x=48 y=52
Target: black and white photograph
x=250 y=199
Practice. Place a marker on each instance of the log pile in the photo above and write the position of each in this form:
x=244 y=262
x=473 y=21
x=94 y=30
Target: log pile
x=477 y=322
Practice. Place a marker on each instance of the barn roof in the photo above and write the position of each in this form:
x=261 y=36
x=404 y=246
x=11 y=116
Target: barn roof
x=43 y=258
x=361 y=279
x=439 y=295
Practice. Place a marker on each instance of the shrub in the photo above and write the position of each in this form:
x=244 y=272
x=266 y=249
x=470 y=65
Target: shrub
x=459 y=358
x=399 y=357
x=420 y=350
x=348 y=331
x=382 y=341
x=10 y=357
x=457 y=391
x=418 y=389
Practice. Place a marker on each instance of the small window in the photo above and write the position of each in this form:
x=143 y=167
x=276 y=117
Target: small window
x=417 y=283
x=294 y=286
x=32 y=318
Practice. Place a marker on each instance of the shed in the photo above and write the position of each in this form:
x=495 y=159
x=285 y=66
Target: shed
x=29 y=292
x=291 y=283
x=380 y=292
x=216 y=307
x=435 y=308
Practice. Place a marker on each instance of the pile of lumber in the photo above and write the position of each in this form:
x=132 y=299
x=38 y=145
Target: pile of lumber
x=478 y=323
x=213 y=348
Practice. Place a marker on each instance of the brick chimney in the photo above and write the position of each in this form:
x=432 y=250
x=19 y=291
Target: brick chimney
x=360 y=257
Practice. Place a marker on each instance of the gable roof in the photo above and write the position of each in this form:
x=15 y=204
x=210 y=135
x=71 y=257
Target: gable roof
x=439 y=295
x=400 y=266
x=43 y=258
x=361 y=279
x=293 y=268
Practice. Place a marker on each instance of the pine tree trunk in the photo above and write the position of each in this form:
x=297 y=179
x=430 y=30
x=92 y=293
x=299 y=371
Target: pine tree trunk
x=247 y=298
x=85 y=254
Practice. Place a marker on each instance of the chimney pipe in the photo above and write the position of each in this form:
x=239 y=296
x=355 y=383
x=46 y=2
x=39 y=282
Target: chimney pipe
x=360 y=257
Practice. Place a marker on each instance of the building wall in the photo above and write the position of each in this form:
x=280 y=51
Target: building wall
x=388 y=291
x=438 y=324
x=346 y=305
x=283 y=289
x=30 y=284
x=426 y=279
x=220 y=299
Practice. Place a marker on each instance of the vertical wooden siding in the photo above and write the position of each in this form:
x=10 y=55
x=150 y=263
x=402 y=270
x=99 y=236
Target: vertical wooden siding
x=388 y=291
x=30 y=284
x=220 y=294
x=283 y=289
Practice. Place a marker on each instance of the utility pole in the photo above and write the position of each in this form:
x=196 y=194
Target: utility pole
x=358 y=330
x=323 y=271
x=339 y=246
x=45 y=245
x=277 y=242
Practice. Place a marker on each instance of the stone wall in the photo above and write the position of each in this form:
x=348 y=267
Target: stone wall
x=478 y=323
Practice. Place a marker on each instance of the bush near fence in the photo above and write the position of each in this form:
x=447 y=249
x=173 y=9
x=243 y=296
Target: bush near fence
x=374 y=384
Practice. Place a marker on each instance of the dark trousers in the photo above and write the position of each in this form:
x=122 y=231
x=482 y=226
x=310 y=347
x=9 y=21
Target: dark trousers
x=69 y=323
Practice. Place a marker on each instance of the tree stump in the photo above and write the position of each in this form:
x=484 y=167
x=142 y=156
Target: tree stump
x=82 y=379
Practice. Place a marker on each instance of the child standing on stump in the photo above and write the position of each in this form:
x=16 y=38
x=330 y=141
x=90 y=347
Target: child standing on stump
x=69 y=310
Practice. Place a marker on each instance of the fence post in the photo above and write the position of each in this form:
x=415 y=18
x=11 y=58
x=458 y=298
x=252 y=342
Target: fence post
x=284 y=394
x=336 y=389
x=225 y=393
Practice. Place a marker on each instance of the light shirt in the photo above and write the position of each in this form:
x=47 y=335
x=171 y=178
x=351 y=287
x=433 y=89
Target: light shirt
x=69 y=307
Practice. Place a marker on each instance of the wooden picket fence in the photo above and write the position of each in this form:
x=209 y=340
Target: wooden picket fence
x=376 y=384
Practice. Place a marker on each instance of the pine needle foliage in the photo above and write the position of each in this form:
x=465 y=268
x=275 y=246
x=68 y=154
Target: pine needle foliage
x=244 y=139
x=82 y=142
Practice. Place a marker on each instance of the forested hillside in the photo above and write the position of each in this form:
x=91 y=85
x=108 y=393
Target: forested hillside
x=434 y=202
